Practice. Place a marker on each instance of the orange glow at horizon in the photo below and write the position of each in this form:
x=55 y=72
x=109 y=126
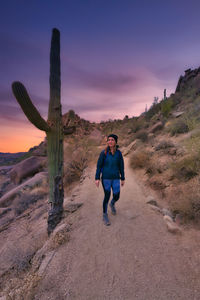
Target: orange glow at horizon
x=20 y=139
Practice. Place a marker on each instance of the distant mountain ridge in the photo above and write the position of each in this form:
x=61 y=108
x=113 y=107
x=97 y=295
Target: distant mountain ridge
x=10 y=158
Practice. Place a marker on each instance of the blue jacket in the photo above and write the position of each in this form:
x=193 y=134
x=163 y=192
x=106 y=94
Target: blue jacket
x=111 y=166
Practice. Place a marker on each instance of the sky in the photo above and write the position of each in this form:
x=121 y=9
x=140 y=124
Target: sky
x=116 y=56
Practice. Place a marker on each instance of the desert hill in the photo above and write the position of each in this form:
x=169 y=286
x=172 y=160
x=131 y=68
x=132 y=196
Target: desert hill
x=161 y=151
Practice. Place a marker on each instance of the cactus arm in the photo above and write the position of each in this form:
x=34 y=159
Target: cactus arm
x=27 y=106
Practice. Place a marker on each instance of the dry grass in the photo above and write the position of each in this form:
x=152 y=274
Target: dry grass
x=185 y=200
x=142 y=135
x=140 y=159
x=187 y=167
x=74 y=169
x=165 y=144
x=179 y=126
x=26 y=200
x=60 y=236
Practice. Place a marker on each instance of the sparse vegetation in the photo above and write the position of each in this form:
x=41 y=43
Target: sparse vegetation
x=178 y=127
x=185 y=200
x=23 y=202
x=165 y=144
x=166 y=107
x=187 y=167
x=139 y=159
x=142 y=135
x=74 y=169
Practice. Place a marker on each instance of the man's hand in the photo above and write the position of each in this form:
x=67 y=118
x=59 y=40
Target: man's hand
x=97 y=183
x=122 y=182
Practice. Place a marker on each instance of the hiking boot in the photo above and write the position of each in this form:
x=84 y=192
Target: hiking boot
x=113 y=209
x=106 y=220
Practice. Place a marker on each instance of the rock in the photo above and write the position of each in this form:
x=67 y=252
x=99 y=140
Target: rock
x=72 y=207
x=27 y=168
x=171 y=226
x=177 y=114
x=167 y=212
x=45 y=262
x=168 y=219
x=179 y=219
x=96 y=136
x=156 y=127
x=152 y=201
x=130 y=147
x=38 y=180
x=155 y=208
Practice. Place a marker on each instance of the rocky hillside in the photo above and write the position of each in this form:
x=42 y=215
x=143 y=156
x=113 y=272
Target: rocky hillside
x=163 y=149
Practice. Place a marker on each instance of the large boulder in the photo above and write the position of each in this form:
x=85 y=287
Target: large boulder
x=27 y=168
x=158 y=126
x=132 y=146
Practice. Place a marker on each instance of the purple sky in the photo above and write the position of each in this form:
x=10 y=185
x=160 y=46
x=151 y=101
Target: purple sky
x=116 y=55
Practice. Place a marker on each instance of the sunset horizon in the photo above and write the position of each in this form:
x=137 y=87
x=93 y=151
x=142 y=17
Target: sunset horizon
x=115 y=58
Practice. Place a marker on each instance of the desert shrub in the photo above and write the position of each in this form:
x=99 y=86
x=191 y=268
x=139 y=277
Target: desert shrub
x=187 y=167
x=155 y=167
x=164 y=145
x=180 y=126
x=142 y=135
x=21 y=261
x=185 y=200
x=139 y=159
x=166 y=107
x=24 y=201
x=193 y=143
x=136 y=127
x=154 y=109
x=191 y=122
x=74 y=169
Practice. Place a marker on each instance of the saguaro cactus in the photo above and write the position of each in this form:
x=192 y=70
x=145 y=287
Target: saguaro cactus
x=53 y=128
x=165 y=94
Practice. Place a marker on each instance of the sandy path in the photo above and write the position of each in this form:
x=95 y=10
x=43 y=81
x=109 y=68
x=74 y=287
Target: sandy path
x=134 y=258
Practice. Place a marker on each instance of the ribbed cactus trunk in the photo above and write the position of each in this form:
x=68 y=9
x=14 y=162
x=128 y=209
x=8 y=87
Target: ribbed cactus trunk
x=55 y=136
x=53 y=128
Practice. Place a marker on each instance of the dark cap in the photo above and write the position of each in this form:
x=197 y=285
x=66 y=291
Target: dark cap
x=114 y=136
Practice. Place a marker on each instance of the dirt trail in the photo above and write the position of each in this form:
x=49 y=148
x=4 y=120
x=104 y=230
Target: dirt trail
x=134 y=258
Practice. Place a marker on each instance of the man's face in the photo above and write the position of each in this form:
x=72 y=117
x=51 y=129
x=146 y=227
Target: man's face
x=111 y=142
